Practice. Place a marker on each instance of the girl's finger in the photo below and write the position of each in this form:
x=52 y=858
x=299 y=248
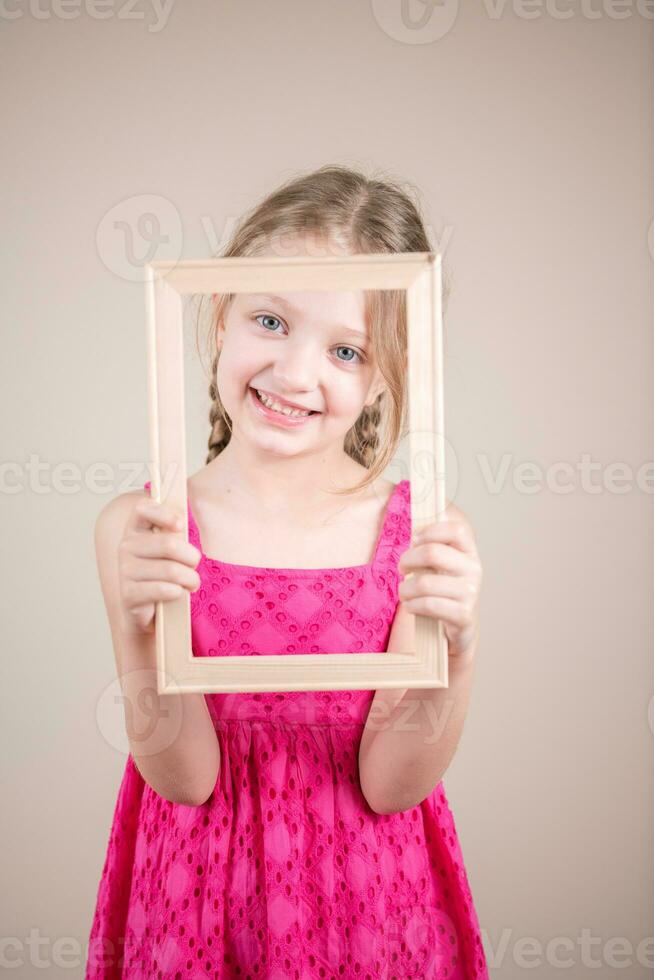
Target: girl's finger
x=446 y=609
x=148 y=514
x=163 y=544
x=455 y=533
x=435 y=555
x=163 y=571
x=424 y=584
x=142 y=593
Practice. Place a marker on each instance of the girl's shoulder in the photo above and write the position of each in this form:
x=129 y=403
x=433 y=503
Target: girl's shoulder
x=398 y=488
x=396 y=496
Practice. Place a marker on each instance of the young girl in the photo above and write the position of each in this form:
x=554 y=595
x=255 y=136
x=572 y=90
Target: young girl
x=303 y=834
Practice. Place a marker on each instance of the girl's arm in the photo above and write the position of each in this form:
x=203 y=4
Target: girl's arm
x=411 y=735
x=172 y=738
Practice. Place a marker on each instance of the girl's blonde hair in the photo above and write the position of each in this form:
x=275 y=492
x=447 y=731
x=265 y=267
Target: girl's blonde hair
x=363 y=215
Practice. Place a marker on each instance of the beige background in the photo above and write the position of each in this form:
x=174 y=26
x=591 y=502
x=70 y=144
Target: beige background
x=529 y=136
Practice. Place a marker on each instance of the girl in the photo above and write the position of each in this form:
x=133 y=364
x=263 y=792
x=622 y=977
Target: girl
x=303 y=834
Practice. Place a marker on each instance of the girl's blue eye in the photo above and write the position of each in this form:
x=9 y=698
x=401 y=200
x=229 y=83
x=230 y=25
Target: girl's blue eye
x=269 y=316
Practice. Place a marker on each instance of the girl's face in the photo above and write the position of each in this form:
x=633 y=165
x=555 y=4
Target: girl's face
x=308 y=348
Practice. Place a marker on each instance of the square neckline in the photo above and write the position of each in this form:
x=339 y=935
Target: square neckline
x=248 y=569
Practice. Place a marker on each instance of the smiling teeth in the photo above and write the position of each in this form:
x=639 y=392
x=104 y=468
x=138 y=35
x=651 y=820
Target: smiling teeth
x=276 y=407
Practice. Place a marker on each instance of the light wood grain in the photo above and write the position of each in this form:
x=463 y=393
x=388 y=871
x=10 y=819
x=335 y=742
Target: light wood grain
x=419 y=274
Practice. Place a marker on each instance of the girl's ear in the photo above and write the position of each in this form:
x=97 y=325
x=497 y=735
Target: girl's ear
x=375 y=391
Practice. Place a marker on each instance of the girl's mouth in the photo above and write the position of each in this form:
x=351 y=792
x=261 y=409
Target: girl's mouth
x=279 y=418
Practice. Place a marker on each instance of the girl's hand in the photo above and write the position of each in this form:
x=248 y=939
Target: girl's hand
x=447 y=580
x=155 y=563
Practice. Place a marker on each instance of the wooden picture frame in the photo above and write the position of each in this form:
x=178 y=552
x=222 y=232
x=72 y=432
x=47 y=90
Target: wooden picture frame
x=420 y=275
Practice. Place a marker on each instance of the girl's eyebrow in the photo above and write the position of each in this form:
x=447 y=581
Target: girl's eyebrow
x=271 y=297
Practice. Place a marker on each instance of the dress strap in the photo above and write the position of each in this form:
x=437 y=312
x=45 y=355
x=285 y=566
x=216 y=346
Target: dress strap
x=396 y=532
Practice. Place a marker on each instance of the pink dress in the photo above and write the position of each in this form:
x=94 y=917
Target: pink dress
x=285 y=871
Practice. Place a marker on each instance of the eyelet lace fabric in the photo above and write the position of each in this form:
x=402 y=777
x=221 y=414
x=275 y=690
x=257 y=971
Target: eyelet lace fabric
x=285 y=873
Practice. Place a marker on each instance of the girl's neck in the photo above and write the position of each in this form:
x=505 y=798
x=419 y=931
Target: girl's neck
x=300 y=493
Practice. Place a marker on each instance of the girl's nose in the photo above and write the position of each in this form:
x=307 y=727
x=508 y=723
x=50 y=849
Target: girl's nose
x=297 y=368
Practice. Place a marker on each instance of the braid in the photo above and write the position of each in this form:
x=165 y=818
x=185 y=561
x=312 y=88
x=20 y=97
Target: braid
x=219 y=420
x=362 y=441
